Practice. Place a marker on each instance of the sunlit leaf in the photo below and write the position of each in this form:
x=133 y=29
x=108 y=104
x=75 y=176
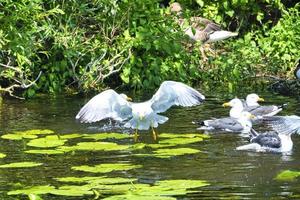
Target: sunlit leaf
x=44 y=151
x=34 y=197
x=30 y=134
x=21 y=165
x=105 y=168
x=287 y=175
x=166 y=153
x=44 y=189
x=95 y=146
x=71 y=136
x=100 y=180
x=101 y=136
x=48 y=141
x=2 y=155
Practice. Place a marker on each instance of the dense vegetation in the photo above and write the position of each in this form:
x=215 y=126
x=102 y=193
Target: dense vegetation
x=55 y=46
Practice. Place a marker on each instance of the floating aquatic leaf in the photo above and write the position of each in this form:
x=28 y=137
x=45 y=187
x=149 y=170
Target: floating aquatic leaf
x=167 y=153
x=178 y=141
x=48 y=141
x=44 y=151
x=2 y=155
x=34 y=197
x=160 y=145
x=119 y=188
x=105 y=168
x=44 y=189
x=95 y=146
x=71 y=136
x=18 y=136
x=103 y=180
x=21 y=165
x=287 y=175
x=101 y=136
x=74 y=191
x=29 y=134
x=47 y=189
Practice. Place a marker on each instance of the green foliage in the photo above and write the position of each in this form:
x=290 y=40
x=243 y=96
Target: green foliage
x=88 y=45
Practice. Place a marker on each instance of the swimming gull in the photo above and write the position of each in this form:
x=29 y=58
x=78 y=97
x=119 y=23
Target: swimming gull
x=242 y=124
x=254 y=108
x=143 y=115
x=268 y=142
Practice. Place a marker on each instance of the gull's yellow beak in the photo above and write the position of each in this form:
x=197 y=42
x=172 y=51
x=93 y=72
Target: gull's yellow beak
x=128 y=99
x=261 y=99
x=227 y=104
x=252 y=116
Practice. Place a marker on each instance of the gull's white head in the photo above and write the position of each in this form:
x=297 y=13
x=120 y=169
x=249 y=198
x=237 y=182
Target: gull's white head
x=252 y=99
x=236 y=107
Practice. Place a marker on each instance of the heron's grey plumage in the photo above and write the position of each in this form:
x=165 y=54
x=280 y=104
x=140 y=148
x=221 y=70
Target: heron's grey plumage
x=142 y=116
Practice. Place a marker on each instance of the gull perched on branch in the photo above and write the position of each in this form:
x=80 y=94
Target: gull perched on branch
x=143 y=115
x=199 y=28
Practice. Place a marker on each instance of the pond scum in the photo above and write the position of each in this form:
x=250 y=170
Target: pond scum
x=98 y=183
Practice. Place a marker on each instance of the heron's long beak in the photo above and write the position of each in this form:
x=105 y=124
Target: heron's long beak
x=129 y=99
x=227 y=104
x=261 y=99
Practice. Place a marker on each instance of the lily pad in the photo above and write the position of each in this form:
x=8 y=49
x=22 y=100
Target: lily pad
x=71 y=136
x=287 y=175
x=21 y=165
x=29 y=134
x=95 y=146
x=102 y=136
x=105 y=168
x=48 y=141
x=178 y=141
x=103 y=180
x=43 y=189
x=44 y=151
x=2 y=155
x=167 y=153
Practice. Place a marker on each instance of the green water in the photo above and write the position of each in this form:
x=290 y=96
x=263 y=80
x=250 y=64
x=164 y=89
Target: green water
x=229 y=173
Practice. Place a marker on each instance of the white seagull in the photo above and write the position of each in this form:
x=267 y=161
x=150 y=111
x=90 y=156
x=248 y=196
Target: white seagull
x=143 y=115
x=238 y=120
x=251 y=105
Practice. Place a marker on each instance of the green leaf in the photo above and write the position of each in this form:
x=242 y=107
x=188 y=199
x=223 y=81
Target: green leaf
x=29 y=134
x=48 y=141
x=94 y=146
x=44 y=151
x=2 y=155
x=44 y=189
x=21 y=165
x=287 y=175
x=101 y=136
x=105 y=168
x=96 y=180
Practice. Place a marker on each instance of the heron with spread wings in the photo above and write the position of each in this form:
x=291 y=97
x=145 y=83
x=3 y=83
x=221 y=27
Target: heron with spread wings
x=143 y=115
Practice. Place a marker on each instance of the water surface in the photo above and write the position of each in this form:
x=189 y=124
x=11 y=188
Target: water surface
x=230 y=173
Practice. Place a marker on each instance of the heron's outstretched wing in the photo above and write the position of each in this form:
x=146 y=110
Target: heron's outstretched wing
x=175 y=93
x=284 y=124
x=107 y=104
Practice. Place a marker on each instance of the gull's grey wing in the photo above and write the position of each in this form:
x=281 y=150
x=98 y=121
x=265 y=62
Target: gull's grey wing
x=268 y=139
x=263 y=110
x=107 y=104
x=175 y=93
x=226 y=123
x=284 y=124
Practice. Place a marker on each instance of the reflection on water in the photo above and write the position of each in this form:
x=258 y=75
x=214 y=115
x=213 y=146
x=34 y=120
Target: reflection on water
x=231 y=173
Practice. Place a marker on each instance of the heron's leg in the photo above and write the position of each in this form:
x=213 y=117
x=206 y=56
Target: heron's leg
x=136 y=135
x=154 y=134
